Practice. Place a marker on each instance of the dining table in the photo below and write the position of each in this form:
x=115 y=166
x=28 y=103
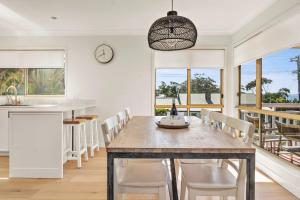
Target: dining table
x=141 y=138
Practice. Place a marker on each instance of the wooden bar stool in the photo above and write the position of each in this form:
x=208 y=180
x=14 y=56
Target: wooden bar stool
x=80 y=143
x=93 y=134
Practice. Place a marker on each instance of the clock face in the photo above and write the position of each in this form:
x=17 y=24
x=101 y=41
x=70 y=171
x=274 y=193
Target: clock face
x=104 y=53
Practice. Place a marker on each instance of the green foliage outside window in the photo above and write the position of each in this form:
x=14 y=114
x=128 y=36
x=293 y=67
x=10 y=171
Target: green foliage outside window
x=46 y=82
x=33 y=81
x=15 y=77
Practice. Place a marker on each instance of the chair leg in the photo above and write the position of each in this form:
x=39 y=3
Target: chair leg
x=183 y=188
x=86 y=156
x=78 y=147
x=162 y=193
x=97 y=135
x=91 y=138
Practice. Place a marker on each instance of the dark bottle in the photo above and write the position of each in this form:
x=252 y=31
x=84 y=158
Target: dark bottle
x=173 y=109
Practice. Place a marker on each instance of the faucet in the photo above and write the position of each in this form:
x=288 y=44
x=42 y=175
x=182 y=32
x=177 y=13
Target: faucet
x=9 y=98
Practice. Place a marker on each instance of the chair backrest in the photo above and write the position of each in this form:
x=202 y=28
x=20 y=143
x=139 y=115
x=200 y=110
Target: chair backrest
x=234 y=127
x=121 y=119
x=128 y=114
x=288 y=130
x=205 y=116
x=218 y=120
x=110 y=128
x=253 y=120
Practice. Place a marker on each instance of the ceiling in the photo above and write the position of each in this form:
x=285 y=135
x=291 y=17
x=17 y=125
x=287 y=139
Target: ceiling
x=122 y=17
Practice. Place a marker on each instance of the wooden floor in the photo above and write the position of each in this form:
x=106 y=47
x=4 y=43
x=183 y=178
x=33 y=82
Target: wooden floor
x=90 y=183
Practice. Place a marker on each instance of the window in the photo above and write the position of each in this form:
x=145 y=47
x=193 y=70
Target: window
x=192 y=89
x=205 y=86
x=33 y=81
x=248 y=83
x=171 y=84
x=281 y=77
x=46 y=82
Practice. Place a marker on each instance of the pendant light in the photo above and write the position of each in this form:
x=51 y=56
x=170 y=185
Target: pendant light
x=172 y=33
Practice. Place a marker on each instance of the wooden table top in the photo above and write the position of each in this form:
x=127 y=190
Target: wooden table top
x=141 y=134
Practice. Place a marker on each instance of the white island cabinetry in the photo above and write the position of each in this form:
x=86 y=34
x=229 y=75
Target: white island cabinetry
x=4 y=131
x=36 y=139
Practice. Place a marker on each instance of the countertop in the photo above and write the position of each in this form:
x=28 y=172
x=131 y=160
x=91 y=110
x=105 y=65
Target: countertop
x=48 y=107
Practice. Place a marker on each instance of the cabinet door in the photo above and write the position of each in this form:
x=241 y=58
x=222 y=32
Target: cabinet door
x=3 y=130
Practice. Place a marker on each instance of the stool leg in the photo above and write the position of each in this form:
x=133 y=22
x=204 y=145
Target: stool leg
x=86 y=157
x=97 y=135
x=78 y=146
x=91 y=138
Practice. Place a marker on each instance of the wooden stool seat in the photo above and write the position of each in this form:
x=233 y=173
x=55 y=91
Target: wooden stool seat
x=74 y=121
x=87 y=117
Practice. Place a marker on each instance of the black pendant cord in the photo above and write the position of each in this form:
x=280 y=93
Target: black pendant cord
x=172 y=5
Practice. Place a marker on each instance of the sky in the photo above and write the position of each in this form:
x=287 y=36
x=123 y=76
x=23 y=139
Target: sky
x=277 y=67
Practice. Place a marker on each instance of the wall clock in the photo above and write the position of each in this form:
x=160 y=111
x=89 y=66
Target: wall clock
x=104 y=53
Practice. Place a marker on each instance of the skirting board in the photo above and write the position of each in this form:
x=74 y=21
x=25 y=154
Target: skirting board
x=281 y=171
x=4 y=153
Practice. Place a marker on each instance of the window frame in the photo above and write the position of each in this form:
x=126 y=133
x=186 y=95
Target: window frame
x=188 y=105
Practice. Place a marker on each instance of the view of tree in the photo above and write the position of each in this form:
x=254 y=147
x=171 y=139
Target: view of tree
x=199 y=84
x=46 y=81
x=252 y=84
x=282 y=96
x=13 y=77
x=40 y=81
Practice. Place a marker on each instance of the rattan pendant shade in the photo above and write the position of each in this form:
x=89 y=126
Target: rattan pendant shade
x=172 y=33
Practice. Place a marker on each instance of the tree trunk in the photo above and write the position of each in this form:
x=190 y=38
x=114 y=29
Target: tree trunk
x=208 y=98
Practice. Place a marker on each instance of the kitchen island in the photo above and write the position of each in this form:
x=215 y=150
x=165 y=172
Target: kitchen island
x=36 y=139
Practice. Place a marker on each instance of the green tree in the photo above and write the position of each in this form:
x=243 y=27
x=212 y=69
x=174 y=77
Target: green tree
x=199 y=84
x=252 y=84
x=277 y=97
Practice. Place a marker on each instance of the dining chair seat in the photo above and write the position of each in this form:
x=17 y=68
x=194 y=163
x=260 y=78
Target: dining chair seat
x=208 y=177
x=143 y=175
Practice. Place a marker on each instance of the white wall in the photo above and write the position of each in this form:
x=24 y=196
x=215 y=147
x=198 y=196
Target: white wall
x=126 y=81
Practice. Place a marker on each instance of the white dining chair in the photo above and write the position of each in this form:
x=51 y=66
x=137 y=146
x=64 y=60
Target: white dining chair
x=206 y=116
x=218 y=120
x=111 y=127
x=128 y=114
x=136 y=176
x=213 y=180
x=122 y=119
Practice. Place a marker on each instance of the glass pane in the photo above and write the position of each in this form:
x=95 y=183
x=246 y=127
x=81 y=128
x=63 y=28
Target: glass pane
x=205 y=86
x=281 y=79
x=248 y=83
x=12 y=77
x=171 y=83
x=46 y=82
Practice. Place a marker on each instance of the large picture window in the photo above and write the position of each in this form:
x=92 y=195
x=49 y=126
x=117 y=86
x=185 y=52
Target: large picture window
x=192 y=89
x=281 y=77
x=33 y=81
